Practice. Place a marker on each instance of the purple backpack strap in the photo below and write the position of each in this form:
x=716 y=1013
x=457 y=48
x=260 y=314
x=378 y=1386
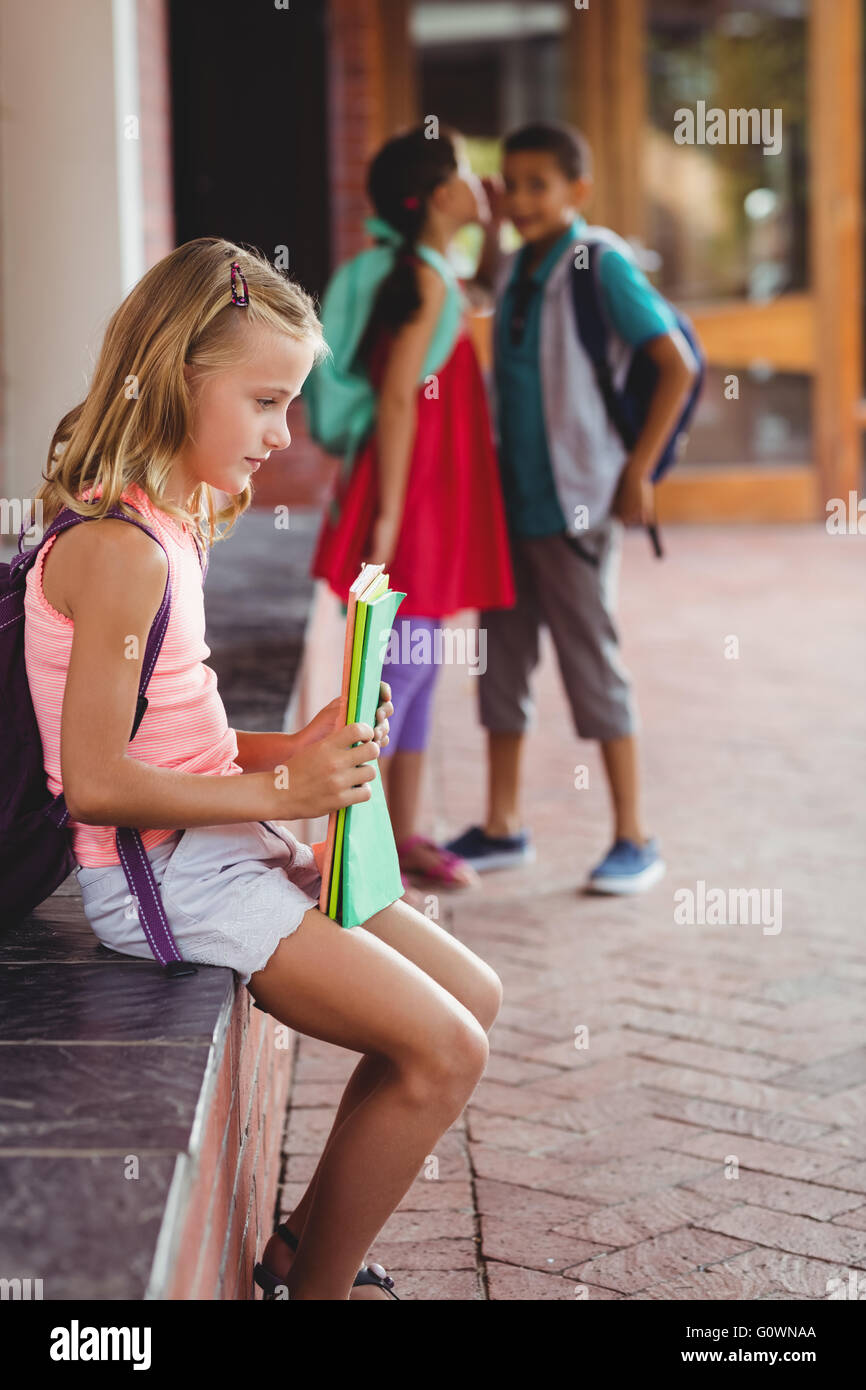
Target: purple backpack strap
x=130 y=848
x=148 y=903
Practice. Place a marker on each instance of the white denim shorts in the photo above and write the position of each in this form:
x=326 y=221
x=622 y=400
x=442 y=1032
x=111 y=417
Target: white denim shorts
x=230 y=893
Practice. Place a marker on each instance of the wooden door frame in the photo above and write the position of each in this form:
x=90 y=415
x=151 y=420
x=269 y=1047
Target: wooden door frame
x=836 y=155
x=818 y=331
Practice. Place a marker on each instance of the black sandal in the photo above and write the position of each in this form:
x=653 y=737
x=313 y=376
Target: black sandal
x=367 y=1274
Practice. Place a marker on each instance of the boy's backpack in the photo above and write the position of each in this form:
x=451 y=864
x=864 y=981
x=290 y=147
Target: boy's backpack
x=339 y=398
x=628 y=404
x=35 y=850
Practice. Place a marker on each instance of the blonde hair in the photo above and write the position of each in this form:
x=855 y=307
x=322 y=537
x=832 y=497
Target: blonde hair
x=137 y=413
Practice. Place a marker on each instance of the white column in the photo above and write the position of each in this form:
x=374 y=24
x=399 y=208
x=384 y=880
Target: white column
x=71 y=233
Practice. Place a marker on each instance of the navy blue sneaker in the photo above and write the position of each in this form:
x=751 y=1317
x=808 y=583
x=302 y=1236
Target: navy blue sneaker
x=484 y=851
x=627 y=868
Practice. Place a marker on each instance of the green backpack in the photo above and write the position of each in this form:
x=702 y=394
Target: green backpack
x=339 y=398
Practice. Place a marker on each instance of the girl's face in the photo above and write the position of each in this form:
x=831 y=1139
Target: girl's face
x=239 y=414
x=462 y=195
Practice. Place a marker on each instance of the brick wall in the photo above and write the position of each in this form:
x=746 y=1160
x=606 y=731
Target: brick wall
x=229 y=1196
x=303 y=475
x=361 y=39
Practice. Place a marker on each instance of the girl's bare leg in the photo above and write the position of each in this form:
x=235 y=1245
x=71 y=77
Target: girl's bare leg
x=277 y=1255
x=402 y=783
x=452 y=965
x=402 y=774
x=352 y=989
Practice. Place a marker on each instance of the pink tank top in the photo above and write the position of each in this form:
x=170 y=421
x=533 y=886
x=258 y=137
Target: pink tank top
x=185 y=725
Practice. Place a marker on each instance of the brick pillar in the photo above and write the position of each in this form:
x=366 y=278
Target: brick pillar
x=304 y=475
x=367 y=43
x=356 y=116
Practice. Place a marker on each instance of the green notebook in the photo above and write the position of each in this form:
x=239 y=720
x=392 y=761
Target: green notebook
x=366 y=871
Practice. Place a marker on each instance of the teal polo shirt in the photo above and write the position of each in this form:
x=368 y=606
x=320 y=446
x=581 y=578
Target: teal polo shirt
x=637 y=311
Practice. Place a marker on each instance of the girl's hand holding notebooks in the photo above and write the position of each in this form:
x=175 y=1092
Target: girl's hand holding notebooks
x=330 y=774
x=332 y=716
x=360 y=868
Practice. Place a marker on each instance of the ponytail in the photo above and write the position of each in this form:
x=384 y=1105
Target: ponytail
x=400 y=181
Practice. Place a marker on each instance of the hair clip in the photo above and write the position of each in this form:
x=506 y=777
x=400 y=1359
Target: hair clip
x=237 y=298
x=411 y=202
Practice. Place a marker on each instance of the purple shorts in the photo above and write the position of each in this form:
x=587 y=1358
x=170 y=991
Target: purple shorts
x=411 y=683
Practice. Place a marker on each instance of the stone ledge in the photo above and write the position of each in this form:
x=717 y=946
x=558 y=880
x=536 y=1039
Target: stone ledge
x=141 y=1123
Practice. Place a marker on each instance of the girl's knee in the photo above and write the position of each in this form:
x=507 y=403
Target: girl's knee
x=474 y=1054
x=490 y=1000
x=483 y=995
x=452 y=1064
x=461 y=1056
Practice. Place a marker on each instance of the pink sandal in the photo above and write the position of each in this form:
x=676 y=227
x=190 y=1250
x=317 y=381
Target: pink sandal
x=445 y=870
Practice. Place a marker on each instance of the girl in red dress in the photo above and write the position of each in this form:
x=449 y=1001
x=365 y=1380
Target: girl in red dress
x=423 y=495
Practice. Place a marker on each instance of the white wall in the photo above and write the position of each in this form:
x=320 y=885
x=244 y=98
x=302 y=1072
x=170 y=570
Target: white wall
x=71 y=237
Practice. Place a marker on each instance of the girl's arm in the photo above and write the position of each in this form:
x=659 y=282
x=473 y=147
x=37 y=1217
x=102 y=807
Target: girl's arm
x=396 y=414
x=113 y=582
x=259 y=751
x=479 y=290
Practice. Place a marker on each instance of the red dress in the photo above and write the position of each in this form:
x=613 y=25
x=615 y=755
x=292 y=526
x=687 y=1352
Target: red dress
x=452 y=550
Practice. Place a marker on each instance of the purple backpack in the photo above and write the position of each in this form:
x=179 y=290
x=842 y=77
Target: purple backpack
x=35 y=849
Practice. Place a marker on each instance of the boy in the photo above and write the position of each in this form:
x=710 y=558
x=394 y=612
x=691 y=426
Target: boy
x=569 y=487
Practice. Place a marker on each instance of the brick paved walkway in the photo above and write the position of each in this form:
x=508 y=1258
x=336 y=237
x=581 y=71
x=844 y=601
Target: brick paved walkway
x=710 y=1141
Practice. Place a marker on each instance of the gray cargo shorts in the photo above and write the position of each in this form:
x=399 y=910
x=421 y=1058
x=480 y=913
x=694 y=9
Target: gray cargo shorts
x=569 y=585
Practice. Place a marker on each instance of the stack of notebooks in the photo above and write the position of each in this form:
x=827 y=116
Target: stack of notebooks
x=360 y=868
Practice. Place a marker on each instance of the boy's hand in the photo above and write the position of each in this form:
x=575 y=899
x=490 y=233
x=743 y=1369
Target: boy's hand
x=634 y=502
x=677 y=368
